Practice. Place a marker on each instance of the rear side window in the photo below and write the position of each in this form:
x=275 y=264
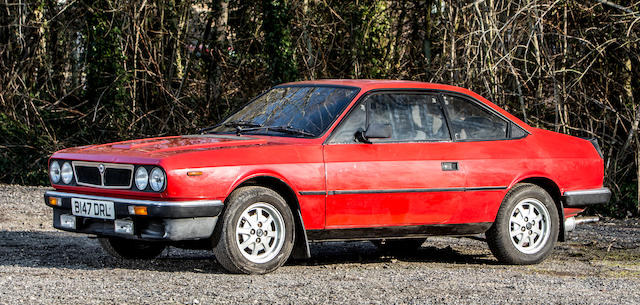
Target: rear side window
x=413 y=117
x=517 y=132
x=469 y=121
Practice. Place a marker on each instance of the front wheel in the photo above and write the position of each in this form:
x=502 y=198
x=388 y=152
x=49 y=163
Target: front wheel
x=526 y=227
x=257 y=231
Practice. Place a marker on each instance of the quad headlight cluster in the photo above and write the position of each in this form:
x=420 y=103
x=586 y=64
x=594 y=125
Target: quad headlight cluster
x=145 y=177
x=64 y=173
x=156 y=180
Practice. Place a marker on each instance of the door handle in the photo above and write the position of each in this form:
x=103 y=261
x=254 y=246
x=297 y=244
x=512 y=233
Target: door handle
x=449 y=166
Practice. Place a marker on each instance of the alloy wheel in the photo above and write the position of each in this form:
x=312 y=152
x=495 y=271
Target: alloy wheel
x=260 y=232
x=529 y=226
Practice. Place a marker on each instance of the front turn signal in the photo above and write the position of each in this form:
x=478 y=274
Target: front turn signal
x=138 y=210
x=54 y=201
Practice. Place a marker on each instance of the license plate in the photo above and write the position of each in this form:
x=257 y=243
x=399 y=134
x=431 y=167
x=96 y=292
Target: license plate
x=92 y=208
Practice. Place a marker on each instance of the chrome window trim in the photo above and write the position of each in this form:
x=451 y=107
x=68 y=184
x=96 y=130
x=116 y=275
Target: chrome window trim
x=106 y=165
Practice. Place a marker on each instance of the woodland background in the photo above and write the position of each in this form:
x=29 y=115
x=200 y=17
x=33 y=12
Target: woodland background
x=76 y=72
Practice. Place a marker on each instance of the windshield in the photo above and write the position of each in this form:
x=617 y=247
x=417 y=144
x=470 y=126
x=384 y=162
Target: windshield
x=302 y=111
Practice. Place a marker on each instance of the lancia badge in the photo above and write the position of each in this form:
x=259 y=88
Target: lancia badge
x=101 y=168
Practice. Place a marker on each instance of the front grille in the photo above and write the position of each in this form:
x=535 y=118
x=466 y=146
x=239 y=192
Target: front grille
x=114 y=176
x=117 y=177
x=88 y=174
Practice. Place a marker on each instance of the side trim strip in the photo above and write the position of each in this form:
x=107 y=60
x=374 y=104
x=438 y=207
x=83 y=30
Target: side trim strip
x=392 y=191
x=348 y=192
x=137 y=201
x=312 y=193
x=485 y=188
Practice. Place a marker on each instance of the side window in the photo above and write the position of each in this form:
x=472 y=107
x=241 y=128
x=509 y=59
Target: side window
x=346 y=131
x=413 y=117
x=469 y=121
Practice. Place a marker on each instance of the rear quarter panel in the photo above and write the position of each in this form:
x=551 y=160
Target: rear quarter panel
x=571 y=162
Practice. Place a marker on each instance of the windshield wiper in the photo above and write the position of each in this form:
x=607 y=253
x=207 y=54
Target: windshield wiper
x=237 y=124
x=283 y=129
x=244 y=126
x=290 y=130
x=242 y=123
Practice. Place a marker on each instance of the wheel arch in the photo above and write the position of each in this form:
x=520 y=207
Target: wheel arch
x=553 y=189
x=301 y=244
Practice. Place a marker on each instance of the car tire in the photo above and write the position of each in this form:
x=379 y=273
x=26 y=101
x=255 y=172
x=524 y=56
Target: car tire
x=526 y=226
x=398 y=246
x=257 y=231
x=122 y=248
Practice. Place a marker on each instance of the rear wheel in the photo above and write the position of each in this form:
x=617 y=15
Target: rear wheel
x=399 y=246
x=526 y=227
x=121 y=248
x=257 y=231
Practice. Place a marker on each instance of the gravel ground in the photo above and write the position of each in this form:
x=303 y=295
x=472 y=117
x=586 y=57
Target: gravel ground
x=38 y=264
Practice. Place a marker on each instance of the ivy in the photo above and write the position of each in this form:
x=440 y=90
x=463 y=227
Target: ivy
x=106 y=77
x=278 y=47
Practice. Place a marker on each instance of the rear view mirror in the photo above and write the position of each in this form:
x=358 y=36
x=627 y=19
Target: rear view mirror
x=374 y=131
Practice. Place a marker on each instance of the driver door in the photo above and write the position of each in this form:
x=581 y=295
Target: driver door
x=405 y=179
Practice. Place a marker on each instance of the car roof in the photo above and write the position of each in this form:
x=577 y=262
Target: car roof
x=373 y=84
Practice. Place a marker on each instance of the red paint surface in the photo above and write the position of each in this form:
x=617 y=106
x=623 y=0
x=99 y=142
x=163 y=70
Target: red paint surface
x=310 y=165
x=391 y=166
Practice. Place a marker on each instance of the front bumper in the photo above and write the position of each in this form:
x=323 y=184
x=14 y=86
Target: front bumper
x=583 y=198
x=165 y=220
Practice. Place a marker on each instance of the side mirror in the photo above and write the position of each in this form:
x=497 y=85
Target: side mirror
x=374 y=131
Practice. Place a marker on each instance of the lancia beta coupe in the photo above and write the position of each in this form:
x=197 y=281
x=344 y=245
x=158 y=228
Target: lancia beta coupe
x=387 y=161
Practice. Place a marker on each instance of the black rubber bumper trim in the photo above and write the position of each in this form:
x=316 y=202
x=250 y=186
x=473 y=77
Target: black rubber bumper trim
x=155 y=209
x=583 y=198
x=145 y=228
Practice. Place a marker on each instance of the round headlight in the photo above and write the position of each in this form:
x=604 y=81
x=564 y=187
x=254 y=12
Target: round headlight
x=142 y=178
x=54 y=172
x=157 y=179
x=66 y=173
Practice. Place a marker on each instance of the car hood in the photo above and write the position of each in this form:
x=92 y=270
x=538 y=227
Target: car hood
x=144 y=150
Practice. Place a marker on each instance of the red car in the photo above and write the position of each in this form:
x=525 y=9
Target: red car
x=386 y=161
